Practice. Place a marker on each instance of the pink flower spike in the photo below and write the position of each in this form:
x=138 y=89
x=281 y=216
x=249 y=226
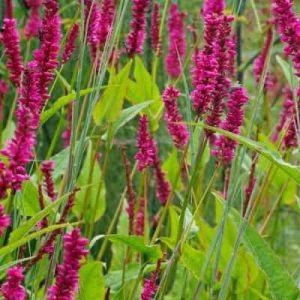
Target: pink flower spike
x=162 y=185
x=8 y=9
x=12 y=288
x=213 y=7
x=34 y=21
x=146 y=145
x=140 y=218
x=235 y=116
x=11 y=42
x=47 y=168
x=177 y=42
x=106 y=20
x=150 y=286
x=155 y=28
x=66 y=284
x=179 y=132
x=4 y=220
x=288 y=26
x=135 y=40
x=71 y=43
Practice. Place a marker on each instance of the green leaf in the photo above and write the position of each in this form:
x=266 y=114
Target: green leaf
x=136 y=243
x=144 y=88
x=86 y=199
x=28 y=225
x=12 y=246
x=9 y=130
x=29 y=203
x=91 y=281
x=281 y=283
x=110 y=104
x=273 y=156
x=61 y=102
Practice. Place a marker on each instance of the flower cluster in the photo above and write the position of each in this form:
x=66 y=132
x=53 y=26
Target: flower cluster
x=150 y=286
x=11 y=42
x=177 y=42
x=71 y=43
x=226 y=146
x=155 y=24
x=140 y=218
x=288 y=25
x=12 y=288
x=147 y=156
x=178 y=131
x=34 y=21
x=147 y=150
x=4 y=220
x=66 y=284
x=135 y=40
x=46 y=57
x=47 y=168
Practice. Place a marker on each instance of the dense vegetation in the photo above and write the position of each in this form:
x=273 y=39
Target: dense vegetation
x=149 y=149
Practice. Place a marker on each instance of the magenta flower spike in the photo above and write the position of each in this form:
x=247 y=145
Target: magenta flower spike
x=34 y=21
x=4 y=220
x=71 y=43
x=11 y=42
x=106 y=20
x=155 y=28
x=288 y=26
x=173 y=118
x=162 y=185
x=66 y=284
x=177 y=42
x=140 y=218
x=135 y=39
x=146 y=145
x=213 y=7
x=47 y=168
x=46 y=57
x=12 y=288
x=150 y=285
x=235 y=116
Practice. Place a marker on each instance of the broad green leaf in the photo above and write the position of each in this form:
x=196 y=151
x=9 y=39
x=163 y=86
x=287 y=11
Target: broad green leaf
x=291 y=170
x=61 y=102
x=87 y=198
x=91 y=281
x=171 y=167
x=29 y=203
x=127 y=115
x=24 y=228
x=12 y=246
x=280 y=282
x=136 y=243
x=8 y=132
x=191 y=258
x=111 y=102
x=143 y=89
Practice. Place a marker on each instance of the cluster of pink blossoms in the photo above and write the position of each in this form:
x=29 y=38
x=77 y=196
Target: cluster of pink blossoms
x=155 y=24
x=71 y=43
x=34 y=21
x=66 y=284
x=135 y=40
x=288 y=26
x=4 y=220
x=177 y=42
x=226 y=146
x=12 y=288
x=147 y=156
x=11 y=42
x=99 y=22
x=33 y=93
x=173 y=118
